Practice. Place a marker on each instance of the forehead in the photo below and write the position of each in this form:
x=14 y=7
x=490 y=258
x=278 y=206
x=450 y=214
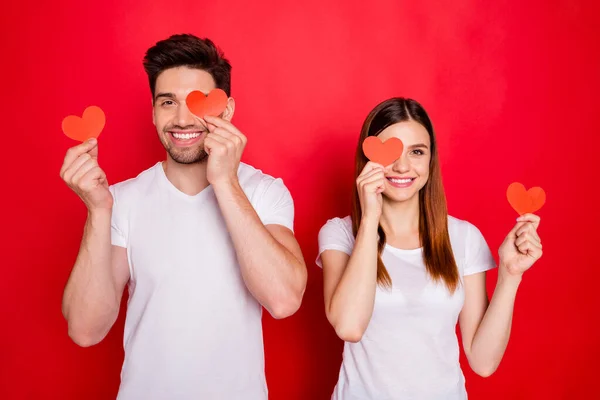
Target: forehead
x=410 y=132
x=182 y=80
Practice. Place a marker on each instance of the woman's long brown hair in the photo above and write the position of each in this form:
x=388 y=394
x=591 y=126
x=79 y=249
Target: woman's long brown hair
x=433 y=212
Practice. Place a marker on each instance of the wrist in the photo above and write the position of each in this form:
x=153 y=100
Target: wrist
x=506 y=278
x=369 y=220
x=96 y=213
x=99 y=217
x=226 y=184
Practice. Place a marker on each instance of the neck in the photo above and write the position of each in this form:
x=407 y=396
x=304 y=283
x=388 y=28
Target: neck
x=187 y=178
x=400 y=219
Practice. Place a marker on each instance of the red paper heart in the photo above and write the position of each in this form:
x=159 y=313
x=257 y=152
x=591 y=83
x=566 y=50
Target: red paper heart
x=200 y=104
x=383 y=153
x=88 y=126
x=525 y=201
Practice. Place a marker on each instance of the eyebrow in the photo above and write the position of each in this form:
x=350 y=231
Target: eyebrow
x=168 y=95
x=415 y=146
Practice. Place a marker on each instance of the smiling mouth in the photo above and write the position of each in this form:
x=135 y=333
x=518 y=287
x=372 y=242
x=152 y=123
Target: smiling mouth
x=401 y=181
x=185 y=135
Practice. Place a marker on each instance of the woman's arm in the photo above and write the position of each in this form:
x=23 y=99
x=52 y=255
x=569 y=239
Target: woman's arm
x=349 y=283
x=485 y=326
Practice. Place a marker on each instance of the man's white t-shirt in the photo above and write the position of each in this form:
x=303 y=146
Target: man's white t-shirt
x=409 y=350
x=192 y=330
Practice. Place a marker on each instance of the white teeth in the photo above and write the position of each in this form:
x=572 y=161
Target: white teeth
x=186 y=136
x=400 y=181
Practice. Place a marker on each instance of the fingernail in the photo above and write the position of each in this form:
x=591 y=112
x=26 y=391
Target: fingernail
x=92 y=141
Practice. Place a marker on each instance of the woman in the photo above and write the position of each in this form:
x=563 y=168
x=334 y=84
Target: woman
x=399 y=273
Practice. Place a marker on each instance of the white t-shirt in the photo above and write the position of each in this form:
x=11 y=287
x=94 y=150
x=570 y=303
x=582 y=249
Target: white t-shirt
x=192 y=330
x=410 y=348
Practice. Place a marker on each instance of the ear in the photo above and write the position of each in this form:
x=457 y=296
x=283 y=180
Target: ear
x=153 y=115
x=229 y=110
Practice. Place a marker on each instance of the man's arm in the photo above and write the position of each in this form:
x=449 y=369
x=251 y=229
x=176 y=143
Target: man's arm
x=271 y=262
x=92 y=296
x=270 y=258
x=93 y=292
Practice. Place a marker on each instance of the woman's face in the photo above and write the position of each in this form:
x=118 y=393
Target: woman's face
x=409 y=173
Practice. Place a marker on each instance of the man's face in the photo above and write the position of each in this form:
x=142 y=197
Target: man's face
x=181 y=133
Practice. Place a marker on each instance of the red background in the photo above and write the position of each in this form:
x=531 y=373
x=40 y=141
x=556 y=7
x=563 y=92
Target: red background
x=511 y=89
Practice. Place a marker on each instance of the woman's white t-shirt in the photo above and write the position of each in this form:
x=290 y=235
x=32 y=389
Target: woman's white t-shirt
x=410 y=348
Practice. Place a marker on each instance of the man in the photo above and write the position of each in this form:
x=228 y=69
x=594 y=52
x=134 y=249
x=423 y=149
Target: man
x=201 y=239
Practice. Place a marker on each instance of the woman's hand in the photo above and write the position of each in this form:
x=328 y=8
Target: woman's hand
x=522 y=246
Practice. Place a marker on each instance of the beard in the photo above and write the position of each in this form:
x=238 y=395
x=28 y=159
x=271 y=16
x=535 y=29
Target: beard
x=189 y=155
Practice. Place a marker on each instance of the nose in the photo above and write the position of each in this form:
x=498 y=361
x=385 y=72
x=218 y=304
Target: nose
x=184 y=115
x=401 y=165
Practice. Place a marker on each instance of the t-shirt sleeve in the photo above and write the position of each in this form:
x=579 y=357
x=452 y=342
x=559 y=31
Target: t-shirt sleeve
x=478 y=255
x=335 y=235
x=118 y=229
x=276 y=205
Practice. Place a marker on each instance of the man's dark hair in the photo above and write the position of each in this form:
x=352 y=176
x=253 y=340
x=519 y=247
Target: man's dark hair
x=192 y=52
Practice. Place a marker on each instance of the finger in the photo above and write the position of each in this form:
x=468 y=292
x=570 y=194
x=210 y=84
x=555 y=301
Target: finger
x=374 y=187
x=87 y=166
x=377 y=180
x=513 y=232
x=94 y=152
x=536 y=252
x=530 y=218
x=525 y=227
x=528 y=227
x=536 y=237
x=375 y=177
x=221 y=123
x=530 y=249
x=74 y=152
x=370 y=174
x=212 y=143
x=217 y=138
x=236 y=139
x=525 y=247
x=92 y=177
x=527 y=237
x=226 y=131
x=370 y=166
x=72 y=170
x=533 y=232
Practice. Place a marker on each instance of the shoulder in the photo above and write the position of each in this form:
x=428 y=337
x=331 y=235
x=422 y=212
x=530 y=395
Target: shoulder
x=344 y=223
x=257 y=183
x=461 y=229
x=470 y=248
x=248 y=175
x=339 y=227
x=130 y=189
x=336 y=234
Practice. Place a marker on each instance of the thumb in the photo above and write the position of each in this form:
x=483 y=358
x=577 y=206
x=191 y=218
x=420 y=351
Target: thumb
x=513 y=233
x=93 y=147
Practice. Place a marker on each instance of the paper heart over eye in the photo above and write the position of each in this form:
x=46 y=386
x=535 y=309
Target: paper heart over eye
x=200 y=104
x=383 y=153
x=525 y=201
x=88 y=126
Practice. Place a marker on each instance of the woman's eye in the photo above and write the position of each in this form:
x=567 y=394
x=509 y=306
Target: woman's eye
x=418 y=152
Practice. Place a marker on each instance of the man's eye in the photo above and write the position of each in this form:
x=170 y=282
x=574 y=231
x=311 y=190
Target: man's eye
x=167 y=102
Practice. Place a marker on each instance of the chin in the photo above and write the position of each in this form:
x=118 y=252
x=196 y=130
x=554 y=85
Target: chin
x=188 y=155
x=400 y=198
